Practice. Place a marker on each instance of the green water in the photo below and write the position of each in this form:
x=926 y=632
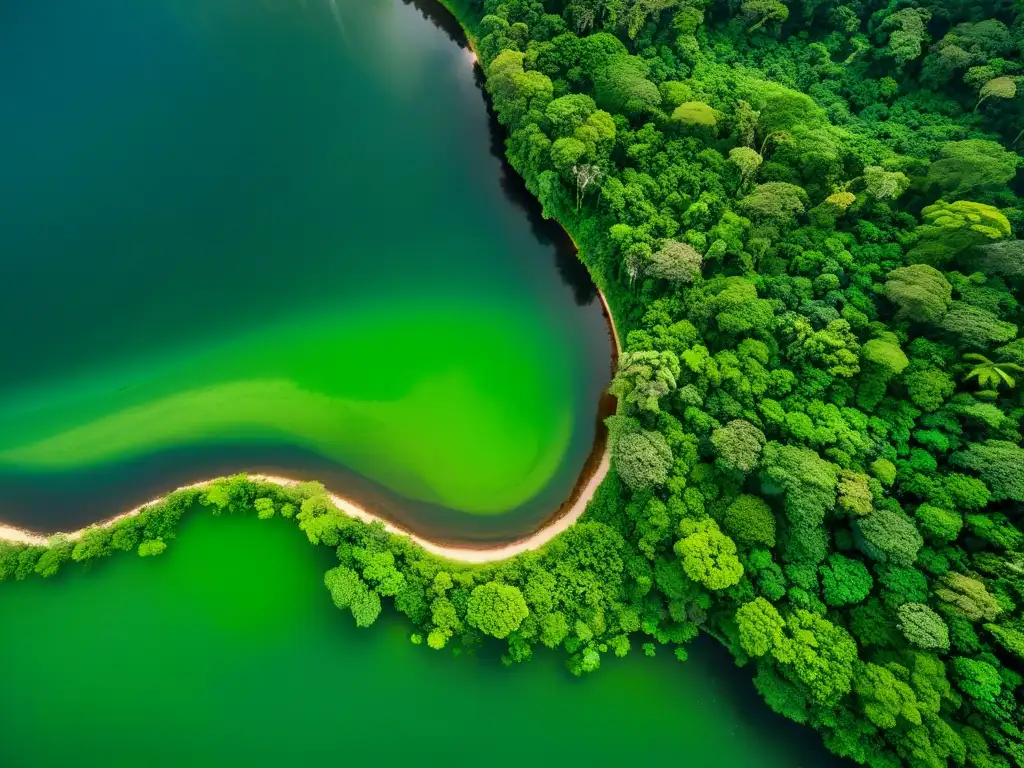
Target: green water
x=226 y=650
x=273 y=235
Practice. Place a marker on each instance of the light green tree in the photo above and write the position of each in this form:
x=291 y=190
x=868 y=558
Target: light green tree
x=675 y=261
x=968 y=597
x=777 y=202
x=997 y=88
x=909 y=33
x=695 y=113
x=920 y=291
x=923 y=627
x=152 y=547
x=496 y=609
x=886 y=698
x=747 y=160
x=884 y=185
x=950 y=229
x=738 y=446
x=348 y=590
x=642 y=458
x=708 y=555
x=762 y=629
x=643 y=379
x=991 y=375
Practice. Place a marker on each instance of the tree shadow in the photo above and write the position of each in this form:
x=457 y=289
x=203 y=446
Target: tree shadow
x=572 y=271
x=441 y=18
x=547 y=231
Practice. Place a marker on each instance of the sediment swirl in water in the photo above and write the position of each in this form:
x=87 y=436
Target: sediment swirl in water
x=235 y=239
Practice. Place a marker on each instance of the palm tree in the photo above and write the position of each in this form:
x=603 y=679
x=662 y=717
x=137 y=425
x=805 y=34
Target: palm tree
x=989 y=374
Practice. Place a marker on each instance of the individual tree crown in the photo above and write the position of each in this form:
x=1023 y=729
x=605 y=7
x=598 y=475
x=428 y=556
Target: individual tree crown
x=844 y=581
x=841 y=200
x=920 y=291
x=951 y=228
x=762 y=629
x=747 y=160
x=708 y=555
x=622 y=86
x=695 y=113
x=976 y=326
x=884 y=185
x=750 y=521
x=152 y=547
x=676 y=262
x=567 y=113
x=966 y=166
x=885 y=353
x=886 y=698
x=776 y=201
x=908 y=33
x=1000 y=465
x=889 y=537
x=997 y=88
x=968 y=597
x=644 y=378
x=738 y=445
x=348 y=590
x=642 y=459
x=964 y=216
x=496 y=609
x=923 y=627
x=1005 y=257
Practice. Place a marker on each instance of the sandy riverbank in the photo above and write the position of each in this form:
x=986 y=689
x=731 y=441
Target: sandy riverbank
x=463 y=554
x=593 y=473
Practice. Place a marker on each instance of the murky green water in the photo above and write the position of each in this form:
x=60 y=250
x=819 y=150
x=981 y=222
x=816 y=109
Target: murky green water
x=226 y=650
x=272 y=235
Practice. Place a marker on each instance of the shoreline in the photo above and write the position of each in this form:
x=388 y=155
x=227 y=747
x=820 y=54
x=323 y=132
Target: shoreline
x=595 y=468
x=537 y=539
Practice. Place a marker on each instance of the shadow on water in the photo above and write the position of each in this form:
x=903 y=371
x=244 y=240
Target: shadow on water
x=547 y=231
x=572 y=271
x=441 y=18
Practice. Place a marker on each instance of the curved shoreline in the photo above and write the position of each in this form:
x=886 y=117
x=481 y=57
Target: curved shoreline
x=593 y=473
x=594 y=470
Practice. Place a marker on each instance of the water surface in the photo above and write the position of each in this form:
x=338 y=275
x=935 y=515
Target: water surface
x=274 y=236
x=226 y=650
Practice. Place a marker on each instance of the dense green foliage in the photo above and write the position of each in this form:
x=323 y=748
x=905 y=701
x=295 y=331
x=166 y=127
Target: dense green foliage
x=803 y=216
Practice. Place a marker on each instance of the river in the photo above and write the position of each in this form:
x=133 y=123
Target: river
x=277 y=236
